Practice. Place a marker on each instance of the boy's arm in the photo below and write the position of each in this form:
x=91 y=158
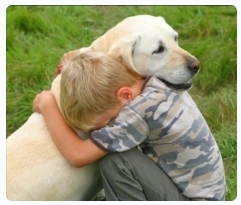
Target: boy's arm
x=125 y=132
x=77 y=151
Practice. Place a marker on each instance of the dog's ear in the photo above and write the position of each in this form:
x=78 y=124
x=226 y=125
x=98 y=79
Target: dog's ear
x=123 y=51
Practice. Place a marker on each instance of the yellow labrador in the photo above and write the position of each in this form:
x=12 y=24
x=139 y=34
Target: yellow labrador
x=36 y=170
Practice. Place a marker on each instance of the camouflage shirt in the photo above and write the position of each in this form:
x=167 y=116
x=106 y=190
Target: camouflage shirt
x=171 y=130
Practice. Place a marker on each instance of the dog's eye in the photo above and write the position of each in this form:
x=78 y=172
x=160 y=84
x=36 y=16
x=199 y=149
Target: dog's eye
x=176 y=38
x=159 y=50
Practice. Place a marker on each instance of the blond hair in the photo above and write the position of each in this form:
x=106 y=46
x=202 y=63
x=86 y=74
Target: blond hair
x=88 y=87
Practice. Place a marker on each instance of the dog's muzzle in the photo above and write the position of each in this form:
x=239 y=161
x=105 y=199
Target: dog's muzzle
x=193 y=66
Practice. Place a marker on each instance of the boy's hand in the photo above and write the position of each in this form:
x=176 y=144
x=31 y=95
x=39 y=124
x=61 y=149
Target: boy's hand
x=43 y=101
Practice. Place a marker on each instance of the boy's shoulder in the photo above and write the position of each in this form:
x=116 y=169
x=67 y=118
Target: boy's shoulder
x=153 y=92
x=156 y=97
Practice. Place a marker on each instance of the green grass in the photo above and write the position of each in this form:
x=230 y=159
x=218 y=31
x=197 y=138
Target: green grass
x=37 y=37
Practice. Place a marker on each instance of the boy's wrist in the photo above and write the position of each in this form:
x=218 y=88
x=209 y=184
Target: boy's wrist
x=44 y=102
x=48 y=104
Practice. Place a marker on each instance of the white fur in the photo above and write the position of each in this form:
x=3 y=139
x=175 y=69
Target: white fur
x=36 y=170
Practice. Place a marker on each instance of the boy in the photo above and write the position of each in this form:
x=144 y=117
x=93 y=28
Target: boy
x=97 y=92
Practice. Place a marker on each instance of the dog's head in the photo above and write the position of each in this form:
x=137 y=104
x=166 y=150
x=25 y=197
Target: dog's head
x=149 y=46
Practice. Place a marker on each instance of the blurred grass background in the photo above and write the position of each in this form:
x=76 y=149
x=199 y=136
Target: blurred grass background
x=37 y=37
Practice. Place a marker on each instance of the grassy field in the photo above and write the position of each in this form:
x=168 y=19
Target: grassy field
x=37 y=37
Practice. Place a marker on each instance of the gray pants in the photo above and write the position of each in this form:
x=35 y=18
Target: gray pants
x=132 y=176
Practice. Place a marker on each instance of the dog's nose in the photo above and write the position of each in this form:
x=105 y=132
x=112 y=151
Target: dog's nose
x=193 y=65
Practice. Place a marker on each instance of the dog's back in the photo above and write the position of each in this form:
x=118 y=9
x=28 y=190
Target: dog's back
x=36 y=170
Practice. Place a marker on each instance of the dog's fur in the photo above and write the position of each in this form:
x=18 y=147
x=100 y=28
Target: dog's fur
x=36 y=170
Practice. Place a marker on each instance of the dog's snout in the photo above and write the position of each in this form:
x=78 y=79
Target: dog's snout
x=193 y=65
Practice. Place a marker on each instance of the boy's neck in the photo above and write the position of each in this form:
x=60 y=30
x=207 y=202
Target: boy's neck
x=137 y=87
x=145 y=81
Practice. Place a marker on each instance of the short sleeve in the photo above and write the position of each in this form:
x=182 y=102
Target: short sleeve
x=126 y=132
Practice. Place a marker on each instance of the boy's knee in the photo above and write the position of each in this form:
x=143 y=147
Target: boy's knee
x=108 y=162
x=115 y=158
x=115 y=161
x=109 y=166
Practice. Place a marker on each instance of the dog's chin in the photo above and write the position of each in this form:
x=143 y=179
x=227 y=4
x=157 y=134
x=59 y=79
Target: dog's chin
x=183 y=86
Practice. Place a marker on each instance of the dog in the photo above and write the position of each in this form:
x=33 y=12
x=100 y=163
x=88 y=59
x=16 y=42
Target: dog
x=36 y=170
x=149 y=46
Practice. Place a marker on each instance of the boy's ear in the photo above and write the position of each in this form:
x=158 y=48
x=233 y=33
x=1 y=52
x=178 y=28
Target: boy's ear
x=124 y=94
